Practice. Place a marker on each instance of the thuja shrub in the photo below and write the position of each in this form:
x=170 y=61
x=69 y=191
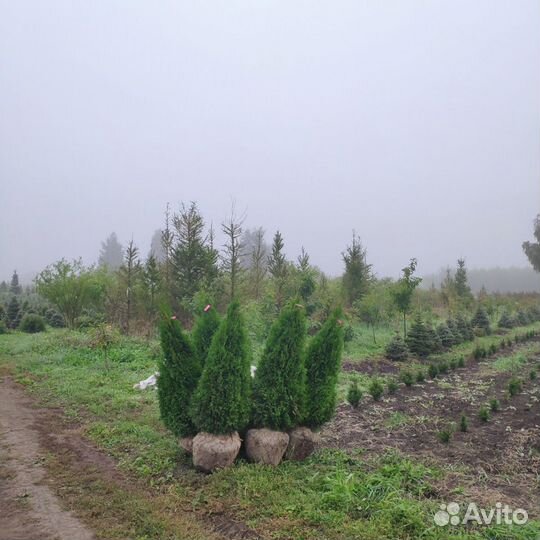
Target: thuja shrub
x=407 y=377
x=420 y=376
x=445 y=435
x=323 y=361
x=354 y=394
x=206 y=325
x=221 y=403
x=279 y=387
x=392 y=386
x=514 y=386
x=179 y=372
x=494 y=405
x=376 y=389
x=483 y=414
x=433 y=371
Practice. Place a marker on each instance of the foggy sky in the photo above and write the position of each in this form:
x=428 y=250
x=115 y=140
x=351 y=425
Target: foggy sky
x=416 y=123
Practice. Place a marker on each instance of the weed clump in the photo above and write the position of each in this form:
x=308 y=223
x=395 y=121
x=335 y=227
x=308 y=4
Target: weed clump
x=463 y=424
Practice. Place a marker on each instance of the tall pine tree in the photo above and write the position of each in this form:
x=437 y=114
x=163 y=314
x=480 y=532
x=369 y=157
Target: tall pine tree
x=357 y=276
x=278 y=268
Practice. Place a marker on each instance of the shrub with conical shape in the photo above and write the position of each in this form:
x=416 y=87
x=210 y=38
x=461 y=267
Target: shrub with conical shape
x=481 y=320
x=506 y=320
x=13 y=313
x=522 y=318
x=465 y=328
x=279 y=387
x=206 y=326
x=418 y=338
x=456 y=332
x=446 y=336
x=221 y=404
x=435 y=342
x=179 y=371
x=323 y=361
x=397 y=349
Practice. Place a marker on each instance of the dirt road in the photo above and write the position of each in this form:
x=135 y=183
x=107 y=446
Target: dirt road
x=29 y=510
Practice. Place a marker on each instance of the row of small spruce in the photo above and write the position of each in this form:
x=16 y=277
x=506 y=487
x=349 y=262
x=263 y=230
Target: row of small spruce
x=515 y=386
x=423 y=339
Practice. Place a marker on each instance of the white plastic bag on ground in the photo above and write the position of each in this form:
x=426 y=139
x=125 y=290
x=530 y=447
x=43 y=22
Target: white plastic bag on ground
x=147 y=383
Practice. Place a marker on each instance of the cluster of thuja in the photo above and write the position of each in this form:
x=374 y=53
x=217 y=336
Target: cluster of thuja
x=205 y=384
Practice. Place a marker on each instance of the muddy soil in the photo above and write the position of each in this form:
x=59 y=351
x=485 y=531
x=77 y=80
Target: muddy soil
x=495 y=460
x=29 y=510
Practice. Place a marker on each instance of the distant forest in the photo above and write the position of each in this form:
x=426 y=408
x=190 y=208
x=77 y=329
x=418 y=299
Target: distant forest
x=503 y=280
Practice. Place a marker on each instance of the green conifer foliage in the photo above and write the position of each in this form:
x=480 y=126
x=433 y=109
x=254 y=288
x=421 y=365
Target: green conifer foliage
x=279 y=385
x=465 y=328
x=13 y=313
x=397 y=349
x=434 y=340
x=456 y=331
x=205 y=327
x=179 y=372
x=221 y=404
x=481 y=320
x=419 y=339
x=522 y=318
x=323 y=361
x=506 y=320
x=446 y=336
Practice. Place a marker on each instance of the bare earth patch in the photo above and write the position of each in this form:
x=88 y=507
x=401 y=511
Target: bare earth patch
x=29 y=510
x=494 y=461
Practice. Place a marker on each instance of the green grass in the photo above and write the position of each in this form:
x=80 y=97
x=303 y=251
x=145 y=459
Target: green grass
x=334 y=495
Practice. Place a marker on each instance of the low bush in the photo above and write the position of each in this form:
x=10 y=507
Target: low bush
x=445 y=435
x=461 y=361
x=420 y=376
x=3 y=327
x=392 y=386
x=32 y=324
x=376 y=389
x=514 y=386
x=397 y=349
x=463 y=424
x=407 y=377
x=483 y=414
x=354 y=394
x=433 y=371
x=494 y=405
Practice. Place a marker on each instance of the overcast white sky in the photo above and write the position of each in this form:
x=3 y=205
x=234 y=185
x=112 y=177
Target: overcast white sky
x=417 y=123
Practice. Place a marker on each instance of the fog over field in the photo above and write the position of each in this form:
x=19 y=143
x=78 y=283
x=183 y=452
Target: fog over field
x=415 y=123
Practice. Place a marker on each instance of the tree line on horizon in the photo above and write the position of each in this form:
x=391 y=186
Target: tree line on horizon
x=185 y=271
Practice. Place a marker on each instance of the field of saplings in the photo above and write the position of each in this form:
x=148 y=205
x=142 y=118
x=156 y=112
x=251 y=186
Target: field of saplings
x=335 y=431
